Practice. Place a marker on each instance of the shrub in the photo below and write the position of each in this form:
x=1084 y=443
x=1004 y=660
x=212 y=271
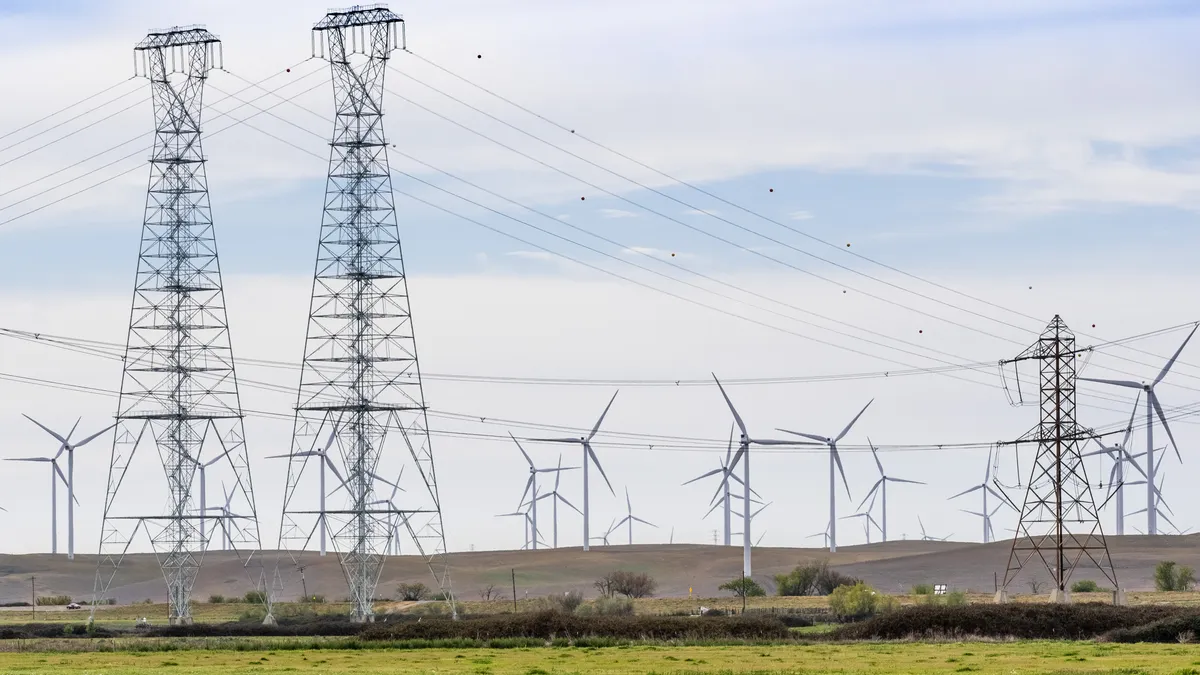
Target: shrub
x=629 y=584
x=955 y=599
x=1179 y=628
x=812 y=579
x=1035 y=621
x=743 y=587
x=1085 y=586
x=923 y=589
x=411 y=592
x=216 y=599
x=854 y=601
x=255 y=598
x=606 y=607
x=567 y=602
x=51 y=600
x=556 y=625
x=1170 y=577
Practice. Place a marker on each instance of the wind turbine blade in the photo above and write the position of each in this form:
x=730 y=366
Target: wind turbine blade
x=736 y=417
x=30 y=459
x=47 y=429
x=1132 y=415
x=558 y=476
x=94 y=436
x=729 y=448
x=1129 y=458
x=216 y=459
x=760 y=509
x=555 y=440
x=966 y=492
x=705 y=475
x=820 y=439
x=60 y=473
x=592 y=454
x=1116 y=383
x=710 y=510
x=601 y=420
x=987 y=472
x=525 y=454
x=1174 y=356
x=905 y=480
x=847 y=429
x=528 y=485
x=1163 y=418
x=298 y=454
x=997 y=495
x=973 y=513
x=564 y=500
x=870 y=493
x=628 y=505
x=875 y=455
x=646 y=522
x=329 y=463
x=838 y=460
x=737 y=457
x=922 y=524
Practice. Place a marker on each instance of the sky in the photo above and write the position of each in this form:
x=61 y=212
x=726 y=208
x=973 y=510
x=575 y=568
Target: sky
x=755 y=189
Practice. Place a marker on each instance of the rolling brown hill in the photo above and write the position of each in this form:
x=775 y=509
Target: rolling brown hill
x=893 y=566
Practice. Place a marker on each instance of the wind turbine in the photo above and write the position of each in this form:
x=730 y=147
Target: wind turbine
x=630 y=518
x=928 y=537
x=394 y=519
x=743 y=455
x=824 y=533
x=202 y=467
x=880 y=488
x=532 y=484
x=68 y=447
x=986 y=488
x=586 y=442
x=525 y=519
x=555 y=497
x=868 y=521
x=723 y=491
x=1152 y=407
x=226 y=519
x=55 y=475
x=1120 y=455
x=612 y=526
x=835 y=461
x=322 y=455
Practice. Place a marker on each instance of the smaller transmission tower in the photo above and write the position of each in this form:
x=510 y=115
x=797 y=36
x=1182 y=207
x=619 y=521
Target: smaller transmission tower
x=1060 y=523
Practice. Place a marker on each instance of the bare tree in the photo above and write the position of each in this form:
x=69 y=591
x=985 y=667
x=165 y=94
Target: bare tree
x=489 y=593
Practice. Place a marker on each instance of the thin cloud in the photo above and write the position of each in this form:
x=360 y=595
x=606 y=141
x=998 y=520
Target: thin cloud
x=532 y=255
x=801 y=215
x=617 y=213
x=659 y=253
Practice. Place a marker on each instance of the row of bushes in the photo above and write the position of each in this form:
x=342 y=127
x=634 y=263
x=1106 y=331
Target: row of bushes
x=550 y=625
x=1025 y=621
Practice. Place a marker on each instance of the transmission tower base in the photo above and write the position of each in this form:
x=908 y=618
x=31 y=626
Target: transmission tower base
x=180 y=621
x=1119 y=598
x=1060 y=596
x=269 y=620
x=1001 y=597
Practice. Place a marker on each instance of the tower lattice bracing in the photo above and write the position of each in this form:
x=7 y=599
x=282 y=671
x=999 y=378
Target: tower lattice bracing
x=179 y=395
x=360 y=409
x=1059 y=521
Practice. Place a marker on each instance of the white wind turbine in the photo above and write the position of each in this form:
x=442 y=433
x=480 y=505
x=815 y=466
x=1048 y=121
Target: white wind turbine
x=68 y=447
x=202 y=468
x=531 y=484
x=588 y=453
x=225 y=520
x=824 y=534
x=629 y=518
x=985 y=488
x=603 y=539
x=395 y=518
x=555 y=497
x=1153 y=494
x=1119 y=453
x=743 y=456
x=835 y=462
x=929 y=537
x=868 y=521
x=723 y=491
x=524 y=515
x=880 y=489
x=322 y=455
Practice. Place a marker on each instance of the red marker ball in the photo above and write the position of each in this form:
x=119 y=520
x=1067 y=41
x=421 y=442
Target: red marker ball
x=771 y=190
x=582 y=198
x=479 y=56
x=1093 y=325
x=920 y=331
x=289 y=70
x=847 y=245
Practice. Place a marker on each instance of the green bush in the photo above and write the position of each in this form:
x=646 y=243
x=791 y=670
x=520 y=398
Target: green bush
x=743 y=587
x=857 y=601
x=1026 y=621
x=51 y=600
x=1085 y=586
x=923 y=589
x=412 y=592
x=606 y=607
x=812 y=579
x=216 y=599
x=1171 y=577
x=550 y=625
x=255 y=598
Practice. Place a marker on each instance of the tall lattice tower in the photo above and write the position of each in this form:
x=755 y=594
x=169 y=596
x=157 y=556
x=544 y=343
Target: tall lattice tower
x=1059 y=523
x=179 y=393
x=360 y=403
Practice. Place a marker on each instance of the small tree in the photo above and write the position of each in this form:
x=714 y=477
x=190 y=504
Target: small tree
x=743 y=587
x=489 y=593
x=412 y=592
x=604 y=585
x=854 y=601
x=812 y=579
x=1171 y=577
x=254 y=597
x=1085 y=586
x=633 y=584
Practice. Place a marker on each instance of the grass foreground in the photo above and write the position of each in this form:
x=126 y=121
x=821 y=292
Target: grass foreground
x=844 y=659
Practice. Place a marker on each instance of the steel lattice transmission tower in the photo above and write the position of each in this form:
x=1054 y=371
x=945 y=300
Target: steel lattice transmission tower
x=1059 y=522
x=179 y=394
x=360 y=403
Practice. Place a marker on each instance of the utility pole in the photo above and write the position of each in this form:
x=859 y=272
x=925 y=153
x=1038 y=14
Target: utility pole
x=33 y=595
x=1059 y=522
x=303 y=583
x=514 y=584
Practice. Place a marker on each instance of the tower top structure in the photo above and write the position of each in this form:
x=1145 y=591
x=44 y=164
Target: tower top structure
x=350 y=26
x=190 y=50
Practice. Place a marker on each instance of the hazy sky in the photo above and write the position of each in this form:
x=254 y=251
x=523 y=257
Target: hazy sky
x=1034 y=157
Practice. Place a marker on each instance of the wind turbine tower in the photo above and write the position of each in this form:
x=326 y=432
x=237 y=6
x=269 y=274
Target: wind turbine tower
x=179 y=400
x=880 y=488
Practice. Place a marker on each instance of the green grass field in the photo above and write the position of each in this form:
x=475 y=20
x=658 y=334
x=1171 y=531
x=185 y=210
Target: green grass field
x=844 y=659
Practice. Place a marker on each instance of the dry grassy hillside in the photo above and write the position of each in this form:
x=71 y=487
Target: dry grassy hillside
x=894 y=566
